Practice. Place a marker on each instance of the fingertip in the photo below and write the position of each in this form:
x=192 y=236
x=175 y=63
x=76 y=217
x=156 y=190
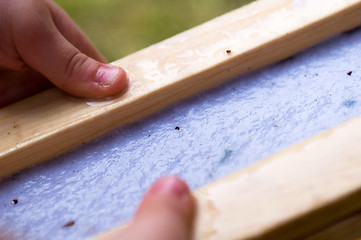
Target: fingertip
x=174 y=192
x=106 y=75
x=110 y=79
x=173 y=197
x=95 y=80
x=170 y=185
x=166 y=212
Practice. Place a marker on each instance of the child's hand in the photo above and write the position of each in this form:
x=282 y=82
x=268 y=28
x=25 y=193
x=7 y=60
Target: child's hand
x=40 y=41
x=166 y=213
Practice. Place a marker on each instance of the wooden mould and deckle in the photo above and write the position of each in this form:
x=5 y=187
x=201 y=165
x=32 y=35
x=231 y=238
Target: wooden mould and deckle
x=288 y=195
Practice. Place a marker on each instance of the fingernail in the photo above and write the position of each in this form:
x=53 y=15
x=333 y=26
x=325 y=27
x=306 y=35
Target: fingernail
x=106 y=75
x=171 y=185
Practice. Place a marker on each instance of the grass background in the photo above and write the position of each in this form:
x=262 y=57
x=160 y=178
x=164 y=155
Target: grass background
x=120 y=27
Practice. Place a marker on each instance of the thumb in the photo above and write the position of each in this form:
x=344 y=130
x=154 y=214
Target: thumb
x=166 y=213
x=47 y=51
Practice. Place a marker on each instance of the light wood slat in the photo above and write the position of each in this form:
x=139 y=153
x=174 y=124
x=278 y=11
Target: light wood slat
x=258 y=34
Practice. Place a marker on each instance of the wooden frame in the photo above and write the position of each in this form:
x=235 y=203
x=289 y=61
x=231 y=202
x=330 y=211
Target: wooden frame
x=238 y=42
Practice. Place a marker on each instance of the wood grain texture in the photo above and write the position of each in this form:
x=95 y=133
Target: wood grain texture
x=258 y=34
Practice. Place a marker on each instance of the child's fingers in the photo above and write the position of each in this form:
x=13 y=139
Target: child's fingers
x=72 y=32
x=46 y=50
x=166 y=212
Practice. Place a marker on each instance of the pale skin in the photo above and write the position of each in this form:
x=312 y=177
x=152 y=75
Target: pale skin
x=41 y=46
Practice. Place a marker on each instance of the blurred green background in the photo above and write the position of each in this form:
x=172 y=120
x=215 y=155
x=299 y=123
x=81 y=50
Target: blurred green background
x=120 y=27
